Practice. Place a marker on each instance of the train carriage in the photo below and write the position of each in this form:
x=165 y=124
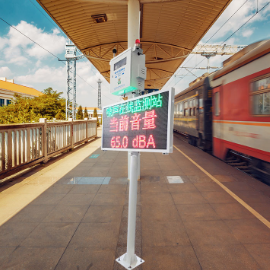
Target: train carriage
x=193 y=115
x=241 y=107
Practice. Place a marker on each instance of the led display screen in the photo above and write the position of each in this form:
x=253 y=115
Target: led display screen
x=139 y=124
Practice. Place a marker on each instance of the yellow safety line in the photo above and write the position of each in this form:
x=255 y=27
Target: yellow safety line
x=250 y=209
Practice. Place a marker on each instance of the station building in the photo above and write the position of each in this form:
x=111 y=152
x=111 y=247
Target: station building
x=8 y=88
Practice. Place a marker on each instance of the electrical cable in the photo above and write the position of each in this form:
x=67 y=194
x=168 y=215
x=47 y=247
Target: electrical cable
x=55 y=25
x=257 y=11
x=47 y=51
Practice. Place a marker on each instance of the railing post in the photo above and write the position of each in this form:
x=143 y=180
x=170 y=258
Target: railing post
x=86 y=132
x=9 y=150
x=44 y=139
x=71 y=132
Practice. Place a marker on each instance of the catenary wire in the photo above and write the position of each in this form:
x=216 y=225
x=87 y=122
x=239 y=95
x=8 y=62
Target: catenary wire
x=213 y=36
x=257 y=11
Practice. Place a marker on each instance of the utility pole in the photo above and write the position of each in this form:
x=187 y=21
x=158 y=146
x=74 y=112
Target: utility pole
x=71 y=80
x=71 y=59
x=99 y=93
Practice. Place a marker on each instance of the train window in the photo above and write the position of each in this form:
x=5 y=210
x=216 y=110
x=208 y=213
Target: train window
x=185 y=108
x=217 y=106
x=175 y=108
x=181 y=108
x=200 y=105
x=191 y=103
x=261 y=96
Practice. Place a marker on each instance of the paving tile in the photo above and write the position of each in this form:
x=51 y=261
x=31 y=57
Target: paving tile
x=218 y=197
x=253 y=196
x=249 y=231
x=96 y=235
x=119 y=181
x=112 y=189
x=232 y=211
x=33 y=258
x=84 y=189
x=160 y=258
x=48 y=198
x=225 y=178
x=261 y=208
x=50 y=235
x=166 y=233
x=233 y=186
x=77 y=199
x=147 y=187
x=64 y=189
x=32 y=213
x=4 y=253
x=109 y=199
x=225 y=257
x=208 y=186
x=103 y=214
x=86 y=258
x=199 y=178
x=12 y=234
x=66 y=213
x=209 y=232
x=190 y=212
x=160 y=213
x=156 y=199
x=188 y=198
x=260 y=252
x=179 y=188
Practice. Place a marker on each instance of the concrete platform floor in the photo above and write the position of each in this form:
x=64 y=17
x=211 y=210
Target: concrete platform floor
x=49 y=223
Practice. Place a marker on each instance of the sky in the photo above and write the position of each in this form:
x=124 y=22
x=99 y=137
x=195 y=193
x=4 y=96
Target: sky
x=30 y=65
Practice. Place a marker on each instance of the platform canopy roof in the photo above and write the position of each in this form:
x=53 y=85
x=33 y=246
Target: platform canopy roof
x=169 y=30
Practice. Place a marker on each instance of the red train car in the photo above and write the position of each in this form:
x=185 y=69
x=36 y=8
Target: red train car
x=241 y=107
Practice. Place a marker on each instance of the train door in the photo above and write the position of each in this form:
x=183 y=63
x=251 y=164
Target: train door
x=218 y=146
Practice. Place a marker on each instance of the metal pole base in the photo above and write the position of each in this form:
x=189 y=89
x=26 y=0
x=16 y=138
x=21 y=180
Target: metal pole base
x=125 y=264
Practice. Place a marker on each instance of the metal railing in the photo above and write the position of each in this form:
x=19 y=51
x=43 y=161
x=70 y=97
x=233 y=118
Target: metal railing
x=24 y=145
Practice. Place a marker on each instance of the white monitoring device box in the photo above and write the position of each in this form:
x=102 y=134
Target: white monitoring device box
x=128 y=72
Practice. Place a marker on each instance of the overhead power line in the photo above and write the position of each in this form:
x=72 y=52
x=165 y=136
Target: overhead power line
x=213 y=36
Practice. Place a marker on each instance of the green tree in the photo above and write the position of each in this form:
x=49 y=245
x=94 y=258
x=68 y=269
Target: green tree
x=26 y=110
x=85 y=114
x=96 y=116
x=79 y=114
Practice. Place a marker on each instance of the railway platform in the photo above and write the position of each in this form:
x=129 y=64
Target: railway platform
x=72 y=213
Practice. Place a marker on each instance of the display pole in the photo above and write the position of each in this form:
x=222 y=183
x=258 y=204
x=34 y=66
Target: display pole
x=131 y=258
x=133 y=34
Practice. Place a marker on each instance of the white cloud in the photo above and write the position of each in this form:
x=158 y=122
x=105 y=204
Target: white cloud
x=5 y=72
x=16 y=48
x=237 y=19
x=247 y=33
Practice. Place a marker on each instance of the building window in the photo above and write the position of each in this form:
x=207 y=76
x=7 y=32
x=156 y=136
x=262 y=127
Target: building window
x=260 y=91
x=217 y=107
x=8 y=101
x=2 y=102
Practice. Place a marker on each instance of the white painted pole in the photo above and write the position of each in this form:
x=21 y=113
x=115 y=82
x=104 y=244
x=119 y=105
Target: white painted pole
x=130 y=257
x=133 y=34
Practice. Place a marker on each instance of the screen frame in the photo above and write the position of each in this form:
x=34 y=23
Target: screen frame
x=169 y=146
